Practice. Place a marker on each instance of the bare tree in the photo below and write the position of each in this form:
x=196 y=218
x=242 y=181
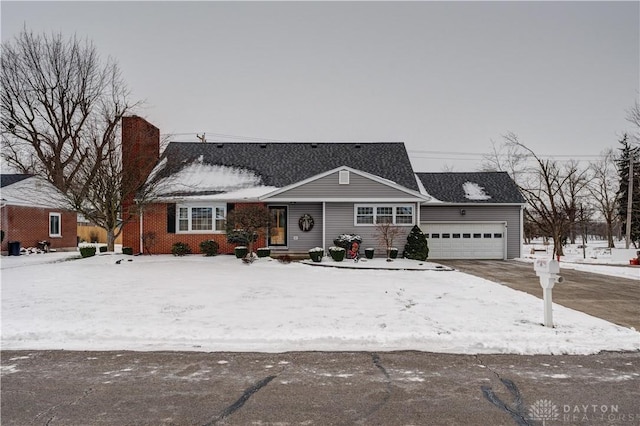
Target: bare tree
x=386 y=232
x=603 y=187
x=508 y=158
x=61 y=108
x=572 y=194
x=633 y=114
x=246 y=224
x=542 y=183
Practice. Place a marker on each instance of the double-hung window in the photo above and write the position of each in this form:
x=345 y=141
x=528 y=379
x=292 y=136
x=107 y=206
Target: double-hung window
x=201 y=218
x=55 y=225
x=372 y=214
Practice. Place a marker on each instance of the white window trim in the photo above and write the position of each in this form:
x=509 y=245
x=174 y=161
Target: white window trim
x=190 y=206
x=59 y=216
x=375 y=206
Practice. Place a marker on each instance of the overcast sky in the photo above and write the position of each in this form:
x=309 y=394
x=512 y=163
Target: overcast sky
x=443 y=77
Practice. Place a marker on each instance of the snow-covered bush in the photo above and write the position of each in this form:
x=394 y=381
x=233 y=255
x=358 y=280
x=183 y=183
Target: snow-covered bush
x=351 y=243
x=87 y=251
x=209 y=247
x=417 y=247
x=180 y=249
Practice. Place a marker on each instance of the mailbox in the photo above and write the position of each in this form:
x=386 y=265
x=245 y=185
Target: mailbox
x=548 y=266
x=547 y=270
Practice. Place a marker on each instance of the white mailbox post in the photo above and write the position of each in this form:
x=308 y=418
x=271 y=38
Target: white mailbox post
x=547 y=270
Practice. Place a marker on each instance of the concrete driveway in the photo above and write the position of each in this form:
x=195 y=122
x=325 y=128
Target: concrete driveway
x=611 y=298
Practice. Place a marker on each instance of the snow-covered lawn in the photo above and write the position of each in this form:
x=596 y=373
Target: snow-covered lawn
x=594 y=258
x=219 y=304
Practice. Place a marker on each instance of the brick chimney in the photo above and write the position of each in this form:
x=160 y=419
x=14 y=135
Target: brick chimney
x=140 y=148
x=140 y=153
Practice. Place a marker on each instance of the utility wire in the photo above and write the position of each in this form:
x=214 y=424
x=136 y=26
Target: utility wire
x=451 y=155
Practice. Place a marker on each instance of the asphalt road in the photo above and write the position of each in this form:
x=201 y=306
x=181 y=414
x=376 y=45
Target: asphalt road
x=614 y=299
x=312 y=388
x=342 y=388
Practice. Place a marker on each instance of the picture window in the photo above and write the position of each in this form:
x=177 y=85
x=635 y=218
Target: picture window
x=370 y=214
x=201 y=218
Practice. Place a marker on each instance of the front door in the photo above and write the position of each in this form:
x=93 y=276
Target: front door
x=278 y=229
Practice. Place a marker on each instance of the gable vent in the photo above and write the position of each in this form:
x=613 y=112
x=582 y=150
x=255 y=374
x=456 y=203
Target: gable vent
x=343 y=177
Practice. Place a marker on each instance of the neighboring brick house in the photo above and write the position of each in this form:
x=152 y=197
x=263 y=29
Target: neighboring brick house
x=315 y=192
x=31 y=212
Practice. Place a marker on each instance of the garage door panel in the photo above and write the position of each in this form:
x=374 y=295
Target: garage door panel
x=465 y=240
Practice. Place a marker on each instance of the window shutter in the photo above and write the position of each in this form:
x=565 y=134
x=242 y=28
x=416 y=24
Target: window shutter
x=171 y=218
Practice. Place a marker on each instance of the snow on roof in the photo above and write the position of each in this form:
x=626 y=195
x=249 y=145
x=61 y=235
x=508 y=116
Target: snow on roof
x=33 y=192
x=198 y=178
x=473 y=191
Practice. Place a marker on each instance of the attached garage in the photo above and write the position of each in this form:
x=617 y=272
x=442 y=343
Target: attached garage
x=466 y=240
x=471 y=215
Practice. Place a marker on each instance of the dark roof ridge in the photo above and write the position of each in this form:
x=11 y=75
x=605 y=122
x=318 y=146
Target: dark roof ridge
x=287 y=143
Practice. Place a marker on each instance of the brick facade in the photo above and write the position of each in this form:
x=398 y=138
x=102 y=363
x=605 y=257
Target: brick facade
x=140 y=153
x=155 y=221
x=29 y=225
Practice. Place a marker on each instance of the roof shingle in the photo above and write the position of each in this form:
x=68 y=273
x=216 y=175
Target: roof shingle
x=449 y=187
x=282 y=164
x=10 y=179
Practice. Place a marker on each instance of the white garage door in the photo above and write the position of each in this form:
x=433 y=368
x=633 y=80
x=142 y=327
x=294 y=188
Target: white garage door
x=465 y=240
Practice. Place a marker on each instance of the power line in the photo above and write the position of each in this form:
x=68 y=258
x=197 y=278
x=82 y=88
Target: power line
x=477 y=155
x=486 y=154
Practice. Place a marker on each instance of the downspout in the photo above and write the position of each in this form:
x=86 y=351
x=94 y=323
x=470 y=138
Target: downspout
x=141 y=241
x=505 y=246
x=521 y=245
x=324 y=225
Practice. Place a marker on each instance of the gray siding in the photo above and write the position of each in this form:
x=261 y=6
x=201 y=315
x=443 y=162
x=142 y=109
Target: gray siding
x=305 y=240
x=340 y=218
x=328 y=187
x=509 y=214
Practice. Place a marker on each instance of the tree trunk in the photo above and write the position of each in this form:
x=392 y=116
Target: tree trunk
x=557 y=243
x=111 y=239
x=610 y=243
x=249 y=254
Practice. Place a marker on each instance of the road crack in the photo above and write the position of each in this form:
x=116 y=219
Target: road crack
x=387 y=391
x=248 y=393
x=85 y=393
x=515 y=410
